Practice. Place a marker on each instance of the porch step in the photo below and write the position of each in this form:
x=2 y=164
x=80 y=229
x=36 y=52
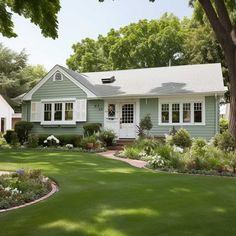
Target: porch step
x=120 y=143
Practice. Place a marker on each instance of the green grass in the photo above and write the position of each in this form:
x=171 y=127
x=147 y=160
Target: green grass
x=99 y=196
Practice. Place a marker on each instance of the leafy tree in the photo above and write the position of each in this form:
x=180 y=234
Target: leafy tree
x=40 y=12
x=143 y=44
x=16 y=76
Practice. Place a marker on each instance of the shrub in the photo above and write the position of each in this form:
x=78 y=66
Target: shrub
x=51 y=141
x=33 y=140
x=88 y=142
x=156 y=162
x=144 y=125
x=74 y=139
x=14 y=139
x=131 y=152
x=232 y=161
x=3 y=142
x=182 y=138
x=107 y=137
x=165 y=151
x=91 y=128
x=225 y=141
x=224 y=125
x=8 y=136
x=22 y=129
x=198 y=147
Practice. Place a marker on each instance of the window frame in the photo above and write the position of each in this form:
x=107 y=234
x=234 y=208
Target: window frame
x=63 y=121
x=181 y=101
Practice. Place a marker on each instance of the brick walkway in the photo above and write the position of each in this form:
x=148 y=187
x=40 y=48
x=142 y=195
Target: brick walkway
x=135 y=163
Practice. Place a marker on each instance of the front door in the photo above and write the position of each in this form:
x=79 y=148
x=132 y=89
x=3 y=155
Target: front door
x=127 y=120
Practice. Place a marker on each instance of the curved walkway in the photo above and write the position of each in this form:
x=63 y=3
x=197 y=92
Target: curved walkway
x=135 y=163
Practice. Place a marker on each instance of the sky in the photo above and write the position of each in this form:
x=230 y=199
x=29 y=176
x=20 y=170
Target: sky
x=79 y=19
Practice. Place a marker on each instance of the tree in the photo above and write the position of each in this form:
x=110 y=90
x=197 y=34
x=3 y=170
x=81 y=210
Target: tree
x=143 y=44
x=40 y=12
x=16 y=76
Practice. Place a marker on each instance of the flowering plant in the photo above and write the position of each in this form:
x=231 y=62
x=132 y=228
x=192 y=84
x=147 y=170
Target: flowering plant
x=156 y=161
x=69 y=146
x=51 y=141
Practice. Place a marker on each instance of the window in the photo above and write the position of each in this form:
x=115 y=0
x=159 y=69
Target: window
x=111 y=110
x=198 y=112
x=69 y=111
x=58 y=76
x=127 y=114
x=183 y=112
x=47 y=112
x=58 y=111
x=175 y=113
x=165 y=113
x=186 y=112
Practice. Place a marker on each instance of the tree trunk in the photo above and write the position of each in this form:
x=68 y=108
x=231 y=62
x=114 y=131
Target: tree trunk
x=232 y=78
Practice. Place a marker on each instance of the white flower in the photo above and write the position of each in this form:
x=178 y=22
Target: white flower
x=178 y=149
x=45 y=141
x=69 y=146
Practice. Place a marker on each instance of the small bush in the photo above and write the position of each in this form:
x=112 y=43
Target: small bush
x=182 y=138
x=33 y=140
x=23 y=128
x=88 y=142
x=224 y=125
x=225 y=141
x=131 y=152
x=14 y=139
x=198 y=147
x=107 y=137
x=91 y=128
x=144 y=125
x=232 y=161
x=74 y=139
x=8 y=135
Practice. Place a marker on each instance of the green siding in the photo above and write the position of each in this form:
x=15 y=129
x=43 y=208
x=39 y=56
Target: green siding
x=95 y=113
x=206 y=131
x=58 y=89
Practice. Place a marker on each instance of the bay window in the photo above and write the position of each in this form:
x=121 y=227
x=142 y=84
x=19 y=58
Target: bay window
x=69 y=111
x=47 y=112
x=182 y=112
x=58 y=111
x=175 y=113
x=165 y=113
x=198 y=112
x=186 y=112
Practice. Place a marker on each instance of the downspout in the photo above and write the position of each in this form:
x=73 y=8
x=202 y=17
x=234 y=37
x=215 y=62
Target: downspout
x=217 y=114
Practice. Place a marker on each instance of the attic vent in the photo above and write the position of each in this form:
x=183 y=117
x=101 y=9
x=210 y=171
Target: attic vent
x=108 y=80
x=58 y=76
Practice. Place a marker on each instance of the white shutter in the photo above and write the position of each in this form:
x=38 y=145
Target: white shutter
x=36 y=111
x=81 y=110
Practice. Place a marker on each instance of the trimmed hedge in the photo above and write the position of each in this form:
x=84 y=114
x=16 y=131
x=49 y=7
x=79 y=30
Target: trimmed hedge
x=23 y=128
x=64 y=139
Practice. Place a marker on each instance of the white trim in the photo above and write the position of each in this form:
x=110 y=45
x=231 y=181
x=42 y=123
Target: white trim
x=54 y=76
x=177 y=100
x=28 y=96
x=58 y=100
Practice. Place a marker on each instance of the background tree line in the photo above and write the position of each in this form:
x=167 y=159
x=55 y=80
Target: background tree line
x=151 y=43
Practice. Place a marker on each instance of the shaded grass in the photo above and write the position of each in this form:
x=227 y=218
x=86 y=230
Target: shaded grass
x=100 y=196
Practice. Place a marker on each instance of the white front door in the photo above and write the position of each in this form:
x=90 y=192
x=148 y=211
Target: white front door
x=127 y=120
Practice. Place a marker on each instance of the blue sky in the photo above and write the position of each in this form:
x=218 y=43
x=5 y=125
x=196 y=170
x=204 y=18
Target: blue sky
x=86 y=18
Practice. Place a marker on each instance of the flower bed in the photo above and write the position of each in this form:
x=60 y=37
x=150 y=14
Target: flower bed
x=182 y=154
x=22 y=187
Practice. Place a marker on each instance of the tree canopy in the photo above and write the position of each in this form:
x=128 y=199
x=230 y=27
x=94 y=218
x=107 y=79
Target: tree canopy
x=40 y=12
x=16 y=76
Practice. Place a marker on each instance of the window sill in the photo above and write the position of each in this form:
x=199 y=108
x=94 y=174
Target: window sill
x=182 y=124
x=58 y=123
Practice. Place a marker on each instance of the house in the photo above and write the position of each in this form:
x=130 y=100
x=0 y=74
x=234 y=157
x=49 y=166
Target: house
x=6 y=113
x=181 y=96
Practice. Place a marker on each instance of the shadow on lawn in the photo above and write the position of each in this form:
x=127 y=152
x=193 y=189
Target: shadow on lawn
x=100 y=196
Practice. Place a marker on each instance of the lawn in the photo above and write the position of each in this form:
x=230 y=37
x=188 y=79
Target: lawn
x=99 y=196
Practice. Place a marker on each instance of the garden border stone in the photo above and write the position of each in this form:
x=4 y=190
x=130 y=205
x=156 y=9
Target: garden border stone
x=53 y=191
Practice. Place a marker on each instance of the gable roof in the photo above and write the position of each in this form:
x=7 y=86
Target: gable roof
x=159 y=81
x=187 y=79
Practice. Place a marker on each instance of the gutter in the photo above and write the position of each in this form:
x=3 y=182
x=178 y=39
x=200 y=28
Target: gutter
x=217 y=114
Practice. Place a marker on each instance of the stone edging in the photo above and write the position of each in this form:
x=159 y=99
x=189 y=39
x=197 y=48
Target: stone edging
x=54 y=190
